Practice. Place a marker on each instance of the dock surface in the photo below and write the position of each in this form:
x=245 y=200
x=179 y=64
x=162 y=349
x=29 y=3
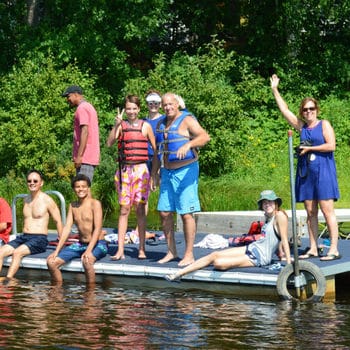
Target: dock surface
x=150 y=269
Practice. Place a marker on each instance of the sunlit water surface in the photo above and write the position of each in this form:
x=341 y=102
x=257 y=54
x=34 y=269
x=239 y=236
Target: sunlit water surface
x=35 y=314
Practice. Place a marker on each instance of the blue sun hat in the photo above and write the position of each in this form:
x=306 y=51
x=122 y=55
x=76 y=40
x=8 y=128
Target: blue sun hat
x=270 y=196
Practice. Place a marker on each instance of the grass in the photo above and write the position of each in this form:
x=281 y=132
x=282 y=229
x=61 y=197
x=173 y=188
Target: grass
x=230 y=193
x=237 y=191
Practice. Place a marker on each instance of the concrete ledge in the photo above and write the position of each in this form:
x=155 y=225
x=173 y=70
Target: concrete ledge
x=238 y=222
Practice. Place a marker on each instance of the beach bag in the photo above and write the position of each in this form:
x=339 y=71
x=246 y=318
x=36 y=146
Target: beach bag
x=253 y=234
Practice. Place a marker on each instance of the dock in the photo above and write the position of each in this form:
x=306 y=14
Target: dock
x=314 y=272
x=150 y=271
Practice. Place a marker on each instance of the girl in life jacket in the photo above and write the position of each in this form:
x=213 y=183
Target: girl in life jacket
x=132 y=178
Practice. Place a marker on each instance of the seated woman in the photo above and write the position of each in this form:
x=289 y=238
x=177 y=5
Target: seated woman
x=258 y=253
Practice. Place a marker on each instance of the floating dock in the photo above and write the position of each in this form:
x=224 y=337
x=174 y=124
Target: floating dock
x=263 y=278
x=318 y=278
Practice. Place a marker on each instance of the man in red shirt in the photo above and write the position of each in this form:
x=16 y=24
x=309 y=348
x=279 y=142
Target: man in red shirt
x=5 y=221
x=86 y=140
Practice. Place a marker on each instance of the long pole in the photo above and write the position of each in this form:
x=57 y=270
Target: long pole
x=294 y=223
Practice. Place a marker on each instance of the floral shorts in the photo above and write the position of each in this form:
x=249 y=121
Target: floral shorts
x=135 y=186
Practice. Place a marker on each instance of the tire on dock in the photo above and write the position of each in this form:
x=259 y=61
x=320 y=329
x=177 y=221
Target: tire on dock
x=313 y=289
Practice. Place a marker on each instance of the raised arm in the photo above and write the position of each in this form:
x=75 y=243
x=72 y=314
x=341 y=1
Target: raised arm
x=290 y=117
x=114 y=133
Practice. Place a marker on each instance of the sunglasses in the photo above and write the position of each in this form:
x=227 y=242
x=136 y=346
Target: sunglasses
x=309 y=109
x=35 y=181
x=153 y=103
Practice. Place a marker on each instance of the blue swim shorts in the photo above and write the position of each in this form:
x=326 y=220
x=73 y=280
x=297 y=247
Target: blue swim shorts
x=36 y=242
x=179 y=189
x=77 y=249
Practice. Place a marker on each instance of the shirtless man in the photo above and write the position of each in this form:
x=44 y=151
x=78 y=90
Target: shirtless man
x=38 y=206
x=86 y=213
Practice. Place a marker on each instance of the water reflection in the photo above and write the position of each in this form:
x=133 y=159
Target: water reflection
x=72 y=316
x=7 y=315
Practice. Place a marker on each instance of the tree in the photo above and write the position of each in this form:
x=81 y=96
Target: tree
x=307 y=39
x=36 y=119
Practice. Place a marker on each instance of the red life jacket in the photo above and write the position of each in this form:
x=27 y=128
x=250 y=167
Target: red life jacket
x=132 y=145
x=255 y=233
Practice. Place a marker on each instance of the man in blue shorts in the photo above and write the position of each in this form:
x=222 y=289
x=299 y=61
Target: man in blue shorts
x=86 y=213
x=38 y=206
x=178 y=137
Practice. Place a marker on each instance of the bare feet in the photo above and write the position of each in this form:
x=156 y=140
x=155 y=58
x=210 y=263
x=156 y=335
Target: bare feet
x=172 y=277
x=308 y=255
x=142 y=255
x=170 y=256
x=185 y=262
x=118 y=257
x=283 y=258
x=330 y=257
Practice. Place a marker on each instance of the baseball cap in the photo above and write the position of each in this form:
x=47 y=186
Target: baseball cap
x=72 y=89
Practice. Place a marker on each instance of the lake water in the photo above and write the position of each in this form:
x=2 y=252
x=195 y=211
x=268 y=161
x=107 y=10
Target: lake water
x=127 y=315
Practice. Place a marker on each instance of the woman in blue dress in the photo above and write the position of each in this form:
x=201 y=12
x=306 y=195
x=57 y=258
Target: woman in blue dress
x=316 y=179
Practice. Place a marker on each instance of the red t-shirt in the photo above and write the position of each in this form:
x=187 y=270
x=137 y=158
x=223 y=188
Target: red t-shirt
x=87 y=115
x=5 y=216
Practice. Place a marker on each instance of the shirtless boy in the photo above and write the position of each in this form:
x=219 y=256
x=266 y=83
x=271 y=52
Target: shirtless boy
x=38 y=206
x=86 y=213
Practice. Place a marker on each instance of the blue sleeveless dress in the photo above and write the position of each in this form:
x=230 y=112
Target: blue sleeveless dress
x=316 y=176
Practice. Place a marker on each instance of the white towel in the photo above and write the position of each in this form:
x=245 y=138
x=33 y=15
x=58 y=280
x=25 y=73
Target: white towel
x=213 y=241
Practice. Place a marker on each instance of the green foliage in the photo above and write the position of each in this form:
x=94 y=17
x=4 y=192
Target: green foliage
x=204 y=81
x=103 y=188
x=111 y=49
x=232 y=192
x=36 y=119
x=11 y=185
x=337 y=111
x=309 y=37
x=107 y=38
